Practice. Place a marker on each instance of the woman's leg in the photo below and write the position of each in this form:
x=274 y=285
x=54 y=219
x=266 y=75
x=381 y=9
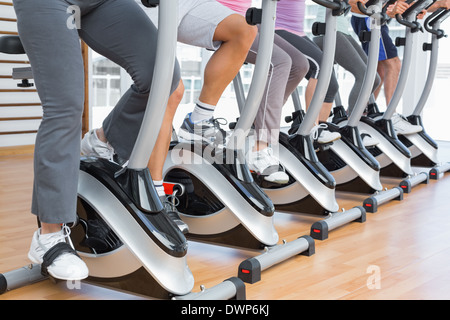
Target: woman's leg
x=314 y=56
x=107 y=30
x=55 y=57
x=267 y=120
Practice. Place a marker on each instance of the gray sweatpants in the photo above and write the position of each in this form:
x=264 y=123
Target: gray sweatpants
x=117 y=29
x=287 y=68
x=314 y=56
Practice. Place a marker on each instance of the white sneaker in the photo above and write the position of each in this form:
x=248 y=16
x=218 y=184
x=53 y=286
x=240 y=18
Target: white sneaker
x=402 y=126
x=91 y=145
x=264 y=163
x=67 y=266
x=321 y=134
x=368 y=140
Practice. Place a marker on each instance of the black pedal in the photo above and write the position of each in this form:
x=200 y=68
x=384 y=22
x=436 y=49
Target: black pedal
x=232 y=125
x=339 y=115
x=373 y=111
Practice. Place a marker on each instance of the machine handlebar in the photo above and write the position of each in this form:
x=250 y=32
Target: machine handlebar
x=438 y=16
x=418 y=6
x=363 y=7
x=339 y=7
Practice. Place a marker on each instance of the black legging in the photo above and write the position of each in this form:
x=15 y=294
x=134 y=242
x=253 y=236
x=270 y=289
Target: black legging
x=314 y=56
x=352 y=58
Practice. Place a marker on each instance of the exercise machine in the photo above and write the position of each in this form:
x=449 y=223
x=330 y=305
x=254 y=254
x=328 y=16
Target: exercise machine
x=122 y=232
x=220 y=201
x=424 y=150
x=311 y=187
x=352 y=165
x=393 y=156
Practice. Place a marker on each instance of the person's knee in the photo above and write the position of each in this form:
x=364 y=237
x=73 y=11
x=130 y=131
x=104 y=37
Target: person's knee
x=143 y=79
x=246 y=36
x=235 y=29
x=281 y=61
x=392 y=65
x=300 y=65
x=176 y=97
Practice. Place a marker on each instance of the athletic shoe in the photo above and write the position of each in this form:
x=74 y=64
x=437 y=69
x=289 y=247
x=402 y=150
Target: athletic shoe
x=92 y=146
x=207 y=130
x=264 y=163
x=170 y=205
x=67 y=266
x=368 y=140
x=322 y=135
x=402 y=126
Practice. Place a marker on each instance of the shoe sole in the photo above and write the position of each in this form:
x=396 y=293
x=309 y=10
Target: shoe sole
x=406 y=133
x=329 y=141
x=187 y=136
x=278 y=181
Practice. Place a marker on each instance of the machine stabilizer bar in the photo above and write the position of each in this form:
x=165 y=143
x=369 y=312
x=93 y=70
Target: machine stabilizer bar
x=438 y=171
x=320 y=229
x=412 y=181
x=250 y=270
x=371 y=204
x=230 y=289
x=21 y=277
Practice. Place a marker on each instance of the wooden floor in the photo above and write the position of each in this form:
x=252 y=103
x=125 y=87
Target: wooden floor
x=400 y=252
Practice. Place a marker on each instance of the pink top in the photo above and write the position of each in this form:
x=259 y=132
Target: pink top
x=290 y=16
x=290 y=13
x=240 y=6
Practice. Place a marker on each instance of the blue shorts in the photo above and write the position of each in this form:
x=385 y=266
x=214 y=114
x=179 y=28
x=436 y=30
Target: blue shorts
x=387 y=48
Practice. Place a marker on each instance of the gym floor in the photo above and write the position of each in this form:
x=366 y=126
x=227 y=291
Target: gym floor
x=401 y=252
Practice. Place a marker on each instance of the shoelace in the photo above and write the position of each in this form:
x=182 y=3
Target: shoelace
x=216 y=121
x=218 y=135
x=315 y=130
x=264 y=159
x=54 y=239
x=100 y=148
x=172 y=200
x=106 y=152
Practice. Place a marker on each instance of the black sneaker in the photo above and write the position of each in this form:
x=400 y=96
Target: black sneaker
x=170 y=203
x=206 y=130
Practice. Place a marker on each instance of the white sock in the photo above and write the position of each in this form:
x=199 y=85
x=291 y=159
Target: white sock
x=159 y=187
x=45 y=236
x=202 y=111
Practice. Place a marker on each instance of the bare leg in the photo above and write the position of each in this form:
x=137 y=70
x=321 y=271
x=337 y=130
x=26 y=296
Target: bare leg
x=325 y=111
x=381 y=73
x=159 y=154
x=326 y=107
x=310 y=88
x=392 y=71
x=237 y=37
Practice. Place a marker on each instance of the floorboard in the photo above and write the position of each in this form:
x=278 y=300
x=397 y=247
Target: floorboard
x=400 y=252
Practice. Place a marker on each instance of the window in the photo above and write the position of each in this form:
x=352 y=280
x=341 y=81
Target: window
x=108 y=84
